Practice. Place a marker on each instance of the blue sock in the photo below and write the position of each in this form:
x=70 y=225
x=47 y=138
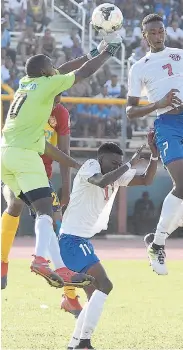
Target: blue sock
x=58 y=226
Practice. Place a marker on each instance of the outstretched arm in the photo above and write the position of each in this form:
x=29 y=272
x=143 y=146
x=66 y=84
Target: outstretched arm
x=78 y=62
x=101 y=180
x=95 y=63
x=72 y=65
x=60 y=157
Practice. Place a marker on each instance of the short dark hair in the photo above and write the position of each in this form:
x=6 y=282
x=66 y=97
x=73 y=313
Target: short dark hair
x=109 y=147
x=153 y=17
x=34 y=65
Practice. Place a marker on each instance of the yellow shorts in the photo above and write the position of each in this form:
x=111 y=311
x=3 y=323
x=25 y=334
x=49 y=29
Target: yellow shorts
x=22 y=170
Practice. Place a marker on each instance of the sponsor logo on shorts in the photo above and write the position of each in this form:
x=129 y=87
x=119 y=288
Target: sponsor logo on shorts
x=175 y=57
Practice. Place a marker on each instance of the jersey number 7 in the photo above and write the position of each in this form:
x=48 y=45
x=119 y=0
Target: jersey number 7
x=169 y=67
x=16 y=105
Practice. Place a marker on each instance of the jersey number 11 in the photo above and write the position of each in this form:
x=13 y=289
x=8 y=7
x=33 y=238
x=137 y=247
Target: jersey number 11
x=16 y=105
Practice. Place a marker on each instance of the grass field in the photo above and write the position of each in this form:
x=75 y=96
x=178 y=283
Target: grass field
x=144 y=311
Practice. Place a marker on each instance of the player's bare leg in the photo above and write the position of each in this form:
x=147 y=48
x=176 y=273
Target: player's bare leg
x=9 y=224
x=171 y=216
x=89 y=316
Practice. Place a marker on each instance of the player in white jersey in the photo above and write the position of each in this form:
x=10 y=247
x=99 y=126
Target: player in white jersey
x=160 y=74
x=94 y=190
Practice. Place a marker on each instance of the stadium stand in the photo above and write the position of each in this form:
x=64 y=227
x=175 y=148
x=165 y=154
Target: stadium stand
x=61 y=29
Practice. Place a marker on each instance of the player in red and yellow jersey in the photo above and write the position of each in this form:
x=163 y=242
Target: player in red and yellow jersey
x=57 y=132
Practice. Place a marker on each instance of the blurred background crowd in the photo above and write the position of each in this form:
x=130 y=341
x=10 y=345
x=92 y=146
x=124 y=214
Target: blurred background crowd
x=55 y=28
x=28 y=28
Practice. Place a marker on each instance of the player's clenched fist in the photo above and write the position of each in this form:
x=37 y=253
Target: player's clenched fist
x=170 y=99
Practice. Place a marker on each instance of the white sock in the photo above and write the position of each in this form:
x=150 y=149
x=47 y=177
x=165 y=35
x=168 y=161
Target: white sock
x=77 y=331
x=92 y=314
x=44 y=231
x=54 y=253
x=171 y=213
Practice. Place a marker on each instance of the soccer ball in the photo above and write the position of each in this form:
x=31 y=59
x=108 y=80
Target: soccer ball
x=107 y=17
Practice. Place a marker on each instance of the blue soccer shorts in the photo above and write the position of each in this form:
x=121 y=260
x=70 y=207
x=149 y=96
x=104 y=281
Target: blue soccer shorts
x=169 y=137
x=77 y=253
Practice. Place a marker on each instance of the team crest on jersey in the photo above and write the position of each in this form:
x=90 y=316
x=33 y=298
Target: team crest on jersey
x=52 y=121
x=175 y=57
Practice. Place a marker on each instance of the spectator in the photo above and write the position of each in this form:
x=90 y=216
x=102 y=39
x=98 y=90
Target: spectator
x=123 y=92
x=72 y=44
x=113 y=86
x=163 y=8
x=144 y=214
x=102 y=75
x=140 y=51
x=36 y=12
x=129 y=133
x=89 y=6
x=129 y=11
x=27 y=45
x=5 y=41
x=136 y=37
x=122 y=33
x=5 y=35
x=5 y=69
x=67 y=39
x=114 y=121
x=175 y=35
x=2 y=9
x=84 y=114
x=14 y=77
x=3 y=55
x=81 y=89
x=100 y=114
x=75 y=34
x=180 y=10
x=76 y=49
x=17 y=12
x=47 y=44
x=103 y=92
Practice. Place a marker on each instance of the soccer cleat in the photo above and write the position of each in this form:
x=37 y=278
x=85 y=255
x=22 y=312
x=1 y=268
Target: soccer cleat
x=71 y=305
x=148 y=239
x=157 y=260
x=40 y=266
x=4 y=273
x=74 y=279
x=84 y=344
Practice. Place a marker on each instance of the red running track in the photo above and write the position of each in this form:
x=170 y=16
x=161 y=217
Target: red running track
x=123 y=248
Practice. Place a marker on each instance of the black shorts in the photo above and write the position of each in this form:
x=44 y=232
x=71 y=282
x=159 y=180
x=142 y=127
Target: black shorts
x=55 y=205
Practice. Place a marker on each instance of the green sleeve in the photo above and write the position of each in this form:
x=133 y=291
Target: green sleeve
x=59 y=83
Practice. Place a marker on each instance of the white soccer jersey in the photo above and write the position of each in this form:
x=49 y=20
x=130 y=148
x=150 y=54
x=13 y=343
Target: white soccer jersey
x=157 y=73
x=90 y=206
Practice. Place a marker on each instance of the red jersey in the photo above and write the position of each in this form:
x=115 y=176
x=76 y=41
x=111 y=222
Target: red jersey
x=58 y=124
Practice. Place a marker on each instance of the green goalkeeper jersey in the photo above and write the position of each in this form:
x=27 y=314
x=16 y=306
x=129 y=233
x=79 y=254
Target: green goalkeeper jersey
x=31 y=109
